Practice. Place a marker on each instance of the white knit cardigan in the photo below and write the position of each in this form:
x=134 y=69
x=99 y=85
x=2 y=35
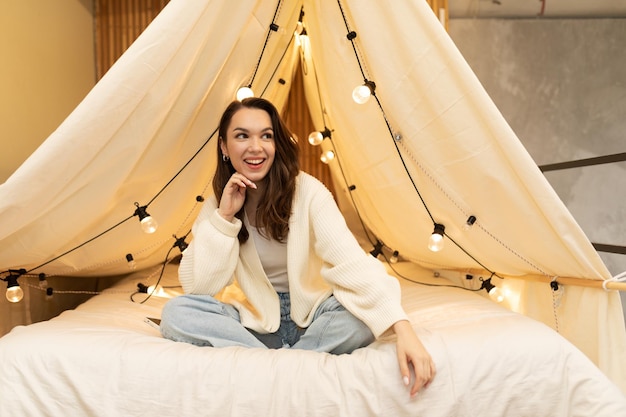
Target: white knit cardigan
x=323 y=258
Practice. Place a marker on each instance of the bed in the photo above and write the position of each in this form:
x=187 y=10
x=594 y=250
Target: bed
x=103 y=359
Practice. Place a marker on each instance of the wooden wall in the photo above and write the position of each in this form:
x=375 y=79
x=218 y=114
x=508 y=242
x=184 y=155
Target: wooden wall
x=117 y=24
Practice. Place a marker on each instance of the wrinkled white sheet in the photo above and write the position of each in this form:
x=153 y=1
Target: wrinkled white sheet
x=103 y=360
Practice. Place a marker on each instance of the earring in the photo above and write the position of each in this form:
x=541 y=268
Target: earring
x=225 y=158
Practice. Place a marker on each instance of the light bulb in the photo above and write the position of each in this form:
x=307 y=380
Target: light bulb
x=315 y=138
x=14 y=293
x=132 y=265
x=378 y=249
x=148 y=224
x=362 y=93
x=469 y=223
x=244 y=92
x=436 y=242
x=394 y=257
x=43 y=282
x=155 y=291
x=496 y=294
x=327 y=156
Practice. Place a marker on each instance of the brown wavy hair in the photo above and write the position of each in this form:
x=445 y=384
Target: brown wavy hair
x=274 y=207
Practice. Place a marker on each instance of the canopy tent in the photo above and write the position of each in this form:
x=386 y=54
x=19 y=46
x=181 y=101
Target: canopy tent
x=428 y=148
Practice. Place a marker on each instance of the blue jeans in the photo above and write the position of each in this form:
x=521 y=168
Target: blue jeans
x=204 y=321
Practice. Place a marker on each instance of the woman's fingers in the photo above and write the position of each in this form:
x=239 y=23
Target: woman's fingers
x=234 y=195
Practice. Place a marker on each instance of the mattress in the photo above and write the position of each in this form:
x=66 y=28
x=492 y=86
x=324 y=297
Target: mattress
x=103 y=359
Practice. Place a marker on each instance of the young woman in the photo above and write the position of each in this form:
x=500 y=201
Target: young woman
x=272 y=262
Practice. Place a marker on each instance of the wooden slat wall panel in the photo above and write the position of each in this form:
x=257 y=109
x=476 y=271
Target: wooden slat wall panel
x=297 y=118
x=118 y=23
x=440 y=7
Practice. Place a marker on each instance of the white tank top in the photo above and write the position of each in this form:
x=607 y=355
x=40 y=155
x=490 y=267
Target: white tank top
x=273 y=255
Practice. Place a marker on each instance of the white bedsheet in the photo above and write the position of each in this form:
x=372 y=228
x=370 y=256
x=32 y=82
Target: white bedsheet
x=103 y=360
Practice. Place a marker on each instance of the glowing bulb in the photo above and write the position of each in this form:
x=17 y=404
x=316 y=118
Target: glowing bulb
x=148 y=224
x=436 y=242
x=362 y=93
x=496 y=294
x=155 y=291
x=244 y=92
x=316 y=138
x=14 y=293
x=327 y=156
x=394 y=257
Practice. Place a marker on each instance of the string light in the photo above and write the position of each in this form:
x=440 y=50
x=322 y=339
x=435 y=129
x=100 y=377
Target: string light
x=180 y=243
x=436 y=241
x=394 y=257
x=132 y=265
x=378 y=249
x=316 y=138
x=327 y=156
x=148 y=224
x=469 y=223
x=14 y=293
x=275 y=28
x=244 y=92
x=362 y=93
x=493 y=291
x=43 y=282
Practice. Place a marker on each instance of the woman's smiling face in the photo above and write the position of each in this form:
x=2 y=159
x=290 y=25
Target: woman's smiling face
x=249 y=143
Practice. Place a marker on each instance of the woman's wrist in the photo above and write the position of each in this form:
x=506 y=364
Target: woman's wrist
x=227 y=217
x=402 y=326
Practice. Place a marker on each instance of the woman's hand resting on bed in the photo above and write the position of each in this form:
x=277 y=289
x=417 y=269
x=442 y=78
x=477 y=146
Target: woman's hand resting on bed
x=411 y=352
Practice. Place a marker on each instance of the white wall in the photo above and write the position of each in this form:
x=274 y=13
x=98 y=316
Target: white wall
x=47 y=55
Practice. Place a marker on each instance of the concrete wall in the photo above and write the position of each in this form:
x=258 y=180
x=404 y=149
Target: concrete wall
x=47 y=55
x=561 y=85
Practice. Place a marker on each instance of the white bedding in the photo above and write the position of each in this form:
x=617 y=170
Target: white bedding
x=102 y=359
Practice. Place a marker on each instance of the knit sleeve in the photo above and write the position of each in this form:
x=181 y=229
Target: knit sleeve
x=209 y=262
x=359 y=281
